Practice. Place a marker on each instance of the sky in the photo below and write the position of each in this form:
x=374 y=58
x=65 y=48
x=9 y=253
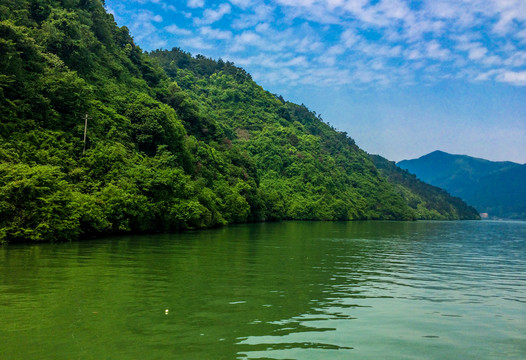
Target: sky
x=403 y=78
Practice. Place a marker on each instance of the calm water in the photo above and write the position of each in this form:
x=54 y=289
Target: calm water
x=291 y=290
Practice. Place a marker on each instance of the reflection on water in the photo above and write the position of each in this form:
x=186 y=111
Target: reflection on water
x=291 y=290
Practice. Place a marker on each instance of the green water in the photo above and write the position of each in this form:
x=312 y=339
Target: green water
x=291 y=290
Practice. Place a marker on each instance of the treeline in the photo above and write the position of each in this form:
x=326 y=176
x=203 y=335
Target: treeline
x=173 y=141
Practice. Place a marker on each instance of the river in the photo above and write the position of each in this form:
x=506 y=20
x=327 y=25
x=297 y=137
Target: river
x=288 y=290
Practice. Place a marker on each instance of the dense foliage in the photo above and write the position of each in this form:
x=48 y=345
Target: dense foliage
x=173 y=141
x=493 y=187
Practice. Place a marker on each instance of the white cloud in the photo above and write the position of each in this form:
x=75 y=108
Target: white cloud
x=297 y=61
x=513 y=77
x=270 y=61
x=148 y=16
x=441 y=9
x=211 y=16
x=349 y=37
x=510 y=12
x=413 y=54
x=247 y=38
x=196 y=3
x=242 y=3
x=336 y=50
x=488 y=75
x=517 y=78
x=308 y=44
x=210 y=33
x=491 y=60
x=517 y=59
x=259 y=14
x=143 y=27
x=262 y=28
x=110 y=10
x=477 y=53
x=169 y=7
x=375 y=50
x=161 y=3
x=174 y=29
x=395 y=9
x=196 y=43
x=521 y=35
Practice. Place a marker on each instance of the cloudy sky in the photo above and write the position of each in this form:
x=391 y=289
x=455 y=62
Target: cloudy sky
x=402 y=77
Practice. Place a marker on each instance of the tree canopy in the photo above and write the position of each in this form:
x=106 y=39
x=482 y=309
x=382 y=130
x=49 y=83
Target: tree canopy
x=173 y=141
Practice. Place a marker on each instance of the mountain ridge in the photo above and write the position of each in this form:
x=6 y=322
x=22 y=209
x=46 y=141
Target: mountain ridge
x=423 y=196
x=493 y=187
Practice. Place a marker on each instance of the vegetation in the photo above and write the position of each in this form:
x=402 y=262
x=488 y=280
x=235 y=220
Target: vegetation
x=428 y=202
x=493 y=187
x=173 y=141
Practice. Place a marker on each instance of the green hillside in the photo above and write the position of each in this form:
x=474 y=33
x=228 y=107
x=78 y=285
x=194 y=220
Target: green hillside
x=173 y=141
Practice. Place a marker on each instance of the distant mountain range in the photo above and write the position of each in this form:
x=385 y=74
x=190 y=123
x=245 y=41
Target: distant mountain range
x=497 y=188
x=427 y=201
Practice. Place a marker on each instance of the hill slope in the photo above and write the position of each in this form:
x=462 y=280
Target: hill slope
x=496 y=188
x=173 y=142
x=273 y=158
x=429 y=202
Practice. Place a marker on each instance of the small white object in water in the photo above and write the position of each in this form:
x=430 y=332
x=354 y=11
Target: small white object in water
x=166 y=312
x=237 y=302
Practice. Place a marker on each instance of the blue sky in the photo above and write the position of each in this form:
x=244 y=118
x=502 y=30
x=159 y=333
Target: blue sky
x=402 y=77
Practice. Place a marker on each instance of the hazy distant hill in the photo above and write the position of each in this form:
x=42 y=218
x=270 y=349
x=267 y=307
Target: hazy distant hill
x=428 y=201
x=495 y=187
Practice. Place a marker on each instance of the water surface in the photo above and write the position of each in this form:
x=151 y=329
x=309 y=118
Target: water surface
x=291 y=290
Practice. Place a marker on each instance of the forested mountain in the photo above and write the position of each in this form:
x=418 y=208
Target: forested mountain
x=428 y=201
x=173 y=141
x=494 y=187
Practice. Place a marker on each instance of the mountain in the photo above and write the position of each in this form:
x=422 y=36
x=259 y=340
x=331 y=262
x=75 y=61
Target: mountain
x=428 y=202
x=99 y=137
x=493 y=187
